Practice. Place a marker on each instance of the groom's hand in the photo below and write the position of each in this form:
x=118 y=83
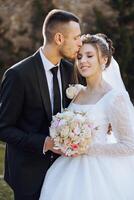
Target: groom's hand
x=49 y=145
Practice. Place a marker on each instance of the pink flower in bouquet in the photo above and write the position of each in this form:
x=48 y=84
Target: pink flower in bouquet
x=72 y=132
x=75 y=146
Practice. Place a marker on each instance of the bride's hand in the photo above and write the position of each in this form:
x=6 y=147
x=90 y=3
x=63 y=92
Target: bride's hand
x=75 y=155
x=49 y=145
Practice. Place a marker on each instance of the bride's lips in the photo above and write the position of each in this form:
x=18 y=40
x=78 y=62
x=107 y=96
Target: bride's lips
x=84 y=67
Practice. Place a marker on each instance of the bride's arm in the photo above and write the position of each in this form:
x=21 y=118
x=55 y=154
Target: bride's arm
x=121 y=115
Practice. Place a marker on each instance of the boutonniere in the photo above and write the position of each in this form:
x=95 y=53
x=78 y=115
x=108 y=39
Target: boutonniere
x=73 y=90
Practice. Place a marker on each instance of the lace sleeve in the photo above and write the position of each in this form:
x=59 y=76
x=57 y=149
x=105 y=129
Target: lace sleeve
x=121 y=116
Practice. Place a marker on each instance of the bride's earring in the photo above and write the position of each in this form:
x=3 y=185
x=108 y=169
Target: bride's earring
x=103 y=66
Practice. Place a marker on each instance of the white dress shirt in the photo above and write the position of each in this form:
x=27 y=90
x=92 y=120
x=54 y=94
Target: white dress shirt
x=47 y=67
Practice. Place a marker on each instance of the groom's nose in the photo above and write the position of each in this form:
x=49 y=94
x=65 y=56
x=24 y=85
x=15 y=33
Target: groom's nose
x=79 y=43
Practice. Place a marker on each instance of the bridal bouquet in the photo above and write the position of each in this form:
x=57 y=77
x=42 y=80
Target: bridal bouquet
x=72 y=132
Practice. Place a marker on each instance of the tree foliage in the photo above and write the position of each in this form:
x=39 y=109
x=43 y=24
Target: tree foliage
x=119 y=27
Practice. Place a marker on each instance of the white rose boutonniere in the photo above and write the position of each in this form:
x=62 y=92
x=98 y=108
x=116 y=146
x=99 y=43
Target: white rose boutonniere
x=73 y=90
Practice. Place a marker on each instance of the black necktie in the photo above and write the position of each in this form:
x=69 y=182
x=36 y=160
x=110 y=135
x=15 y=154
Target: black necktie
x=56 y=92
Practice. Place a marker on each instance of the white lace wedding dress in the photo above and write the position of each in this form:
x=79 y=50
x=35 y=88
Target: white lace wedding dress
x=107 y=171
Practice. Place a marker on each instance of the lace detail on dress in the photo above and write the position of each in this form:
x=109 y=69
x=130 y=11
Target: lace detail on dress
x=120 y=112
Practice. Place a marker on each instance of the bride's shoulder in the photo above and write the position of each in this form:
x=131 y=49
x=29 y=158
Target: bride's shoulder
x=118 y=92
x=118 y=96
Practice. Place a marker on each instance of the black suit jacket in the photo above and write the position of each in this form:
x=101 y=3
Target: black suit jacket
x=25 y=116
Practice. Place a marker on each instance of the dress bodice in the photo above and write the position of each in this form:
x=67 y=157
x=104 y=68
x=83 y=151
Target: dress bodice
x=116 y=109
x=106 y=171
x=98 y=114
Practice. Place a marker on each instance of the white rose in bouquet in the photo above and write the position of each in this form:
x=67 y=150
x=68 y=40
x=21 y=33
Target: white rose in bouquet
x=71 y=132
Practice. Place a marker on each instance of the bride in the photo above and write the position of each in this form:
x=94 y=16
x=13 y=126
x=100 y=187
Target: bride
x=106 y=171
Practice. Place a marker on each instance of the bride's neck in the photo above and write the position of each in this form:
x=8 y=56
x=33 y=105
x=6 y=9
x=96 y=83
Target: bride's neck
x=95 y=83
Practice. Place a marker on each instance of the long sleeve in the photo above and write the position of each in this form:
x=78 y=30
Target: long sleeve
x=121 y=116
x=11 y=106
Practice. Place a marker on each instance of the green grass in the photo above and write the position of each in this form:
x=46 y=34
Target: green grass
x=2 y=150
x=5 y=191
x=2 y=142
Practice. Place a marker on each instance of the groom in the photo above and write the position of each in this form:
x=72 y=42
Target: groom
x=27 y=103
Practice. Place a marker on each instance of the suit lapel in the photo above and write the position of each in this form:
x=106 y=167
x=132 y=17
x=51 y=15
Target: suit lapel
x=64 y=80
x=43 y=85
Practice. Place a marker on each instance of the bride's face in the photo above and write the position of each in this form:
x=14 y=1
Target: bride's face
x=89 y=60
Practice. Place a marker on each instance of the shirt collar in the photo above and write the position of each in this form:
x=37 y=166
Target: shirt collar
x=47 y=64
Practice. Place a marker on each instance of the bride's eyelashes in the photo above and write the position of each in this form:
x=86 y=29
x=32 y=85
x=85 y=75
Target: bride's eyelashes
x=79 y=57
x=89 y=56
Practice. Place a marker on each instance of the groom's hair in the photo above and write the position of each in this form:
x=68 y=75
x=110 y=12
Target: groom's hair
x=54 y=19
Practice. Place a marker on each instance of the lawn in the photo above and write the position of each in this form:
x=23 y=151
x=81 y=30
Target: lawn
x=5 y=191
x=1 y=159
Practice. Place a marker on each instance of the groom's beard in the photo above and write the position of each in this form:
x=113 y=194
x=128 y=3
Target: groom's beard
x=67 y=55
x=69 y=59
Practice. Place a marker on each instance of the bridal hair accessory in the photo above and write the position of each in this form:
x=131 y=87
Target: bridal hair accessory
x=73 y=90
x=96 y=37
x=102 y=40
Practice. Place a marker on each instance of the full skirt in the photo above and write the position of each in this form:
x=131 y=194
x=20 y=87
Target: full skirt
x=90 y=178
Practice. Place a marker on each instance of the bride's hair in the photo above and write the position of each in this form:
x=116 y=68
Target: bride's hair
x=100 y=42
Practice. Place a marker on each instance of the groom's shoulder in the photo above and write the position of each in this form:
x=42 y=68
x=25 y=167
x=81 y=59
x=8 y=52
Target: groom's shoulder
x=20 y=69
x=25 y=64
x=67 y=63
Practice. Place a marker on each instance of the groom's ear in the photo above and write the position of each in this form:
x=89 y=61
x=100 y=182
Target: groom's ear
x=59 y=38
